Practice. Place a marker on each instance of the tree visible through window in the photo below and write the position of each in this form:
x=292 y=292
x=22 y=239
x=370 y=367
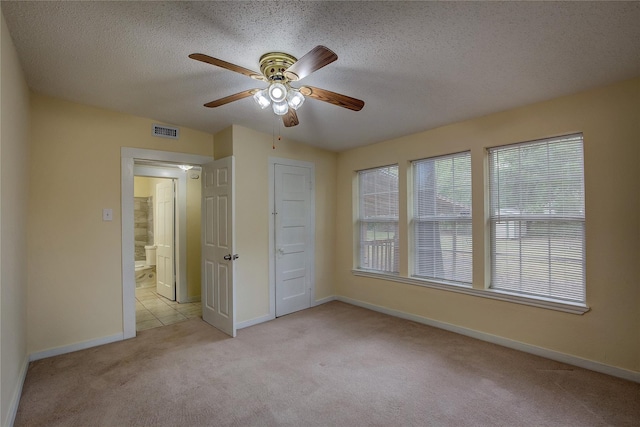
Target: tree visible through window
x=378 y=218
x=442 y=218
x=537 y=218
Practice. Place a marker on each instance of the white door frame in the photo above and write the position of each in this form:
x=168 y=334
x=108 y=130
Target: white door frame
x=311 y=230
x=128 y=156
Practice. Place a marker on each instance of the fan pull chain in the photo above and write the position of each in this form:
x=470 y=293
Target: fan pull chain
x=273 y=135
x=273 y=132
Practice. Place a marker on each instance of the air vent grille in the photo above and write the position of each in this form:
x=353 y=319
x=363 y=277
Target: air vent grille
x=165 y=131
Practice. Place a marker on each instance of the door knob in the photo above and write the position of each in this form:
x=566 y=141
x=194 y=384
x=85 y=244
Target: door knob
x=235 y=257
x=227 y=257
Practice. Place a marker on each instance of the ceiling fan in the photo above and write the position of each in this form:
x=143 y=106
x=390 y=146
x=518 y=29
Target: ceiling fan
x=279 y=70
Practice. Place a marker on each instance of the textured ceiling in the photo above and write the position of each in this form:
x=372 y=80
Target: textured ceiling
x=417 y=65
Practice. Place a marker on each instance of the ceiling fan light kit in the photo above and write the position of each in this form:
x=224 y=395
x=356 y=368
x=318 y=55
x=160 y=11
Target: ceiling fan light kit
x=279 y=69
x=282 y=96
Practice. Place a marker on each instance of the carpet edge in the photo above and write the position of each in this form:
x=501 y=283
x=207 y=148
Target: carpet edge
x=505 y=342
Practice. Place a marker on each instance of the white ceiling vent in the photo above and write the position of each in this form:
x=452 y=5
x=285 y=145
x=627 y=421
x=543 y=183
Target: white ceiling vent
x=165 y=131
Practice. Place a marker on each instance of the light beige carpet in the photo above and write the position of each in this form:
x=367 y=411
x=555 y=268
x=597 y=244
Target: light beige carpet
x=332 y=365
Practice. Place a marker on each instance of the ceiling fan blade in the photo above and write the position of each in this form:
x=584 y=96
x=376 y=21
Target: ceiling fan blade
x=315 y=59
x=334 y=98
x=290 y=119
x=230 y=98
x=227 y=65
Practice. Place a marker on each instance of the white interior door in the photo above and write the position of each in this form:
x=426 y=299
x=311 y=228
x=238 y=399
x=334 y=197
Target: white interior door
x=292 y=197
x=164 y=239
x=218 y=256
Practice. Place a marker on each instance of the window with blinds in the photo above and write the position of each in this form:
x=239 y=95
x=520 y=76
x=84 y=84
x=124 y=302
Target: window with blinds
x=378 y=219
x=537 y=218
x=442 y=218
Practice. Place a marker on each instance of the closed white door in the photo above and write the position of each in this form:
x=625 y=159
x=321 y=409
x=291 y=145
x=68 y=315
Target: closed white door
x=292 y=238
x=164 y=239
x=218 y=256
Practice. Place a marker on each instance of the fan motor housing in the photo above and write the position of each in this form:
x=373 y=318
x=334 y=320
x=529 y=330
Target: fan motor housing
x=274 y=64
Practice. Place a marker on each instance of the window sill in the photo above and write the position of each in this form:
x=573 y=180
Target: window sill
x=567 y=307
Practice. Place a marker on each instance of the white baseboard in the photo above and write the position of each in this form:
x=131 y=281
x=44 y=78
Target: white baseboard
x=505 y=342
x=324 y=300
x=256 y=321
x=267 y=317
x=75 y=347
x=15 y=396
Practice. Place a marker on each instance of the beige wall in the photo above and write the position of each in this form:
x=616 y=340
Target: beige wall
x=607 y=334
x=14 y=190
x=142 y=186
x=252 y=151
x=223 y=146
x=75 y=273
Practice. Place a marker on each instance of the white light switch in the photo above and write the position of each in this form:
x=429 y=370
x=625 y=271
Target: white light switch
x=107 y=214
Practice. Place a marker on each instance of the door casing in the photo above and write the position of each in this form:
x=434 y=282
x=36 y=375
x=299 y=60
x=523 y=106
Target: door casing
x=310 y=251
x=127 y=159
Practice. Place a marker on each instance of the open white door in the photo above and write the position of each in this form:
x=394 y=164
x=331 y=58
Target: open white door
x=293 y=241
x=164 y=240
x=218 y=256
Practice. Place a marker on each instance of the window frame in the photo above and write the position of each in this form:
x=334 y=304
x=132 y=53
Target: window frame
x=520 y=217
x=417 y=219
x=361 y=222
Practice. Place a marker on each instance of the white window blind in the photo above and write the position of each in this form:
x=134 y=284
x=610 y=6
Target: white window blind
x=537 y=218
x=442 y=218
x=378 y=218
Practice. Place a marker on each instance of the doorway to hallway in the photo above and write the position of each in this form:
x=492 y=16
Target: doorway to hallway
x=130 y=159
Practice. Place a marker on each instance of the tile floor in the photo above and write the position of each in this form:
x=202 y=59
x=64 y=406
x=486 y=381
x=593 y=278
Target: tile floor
x=153 y=310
